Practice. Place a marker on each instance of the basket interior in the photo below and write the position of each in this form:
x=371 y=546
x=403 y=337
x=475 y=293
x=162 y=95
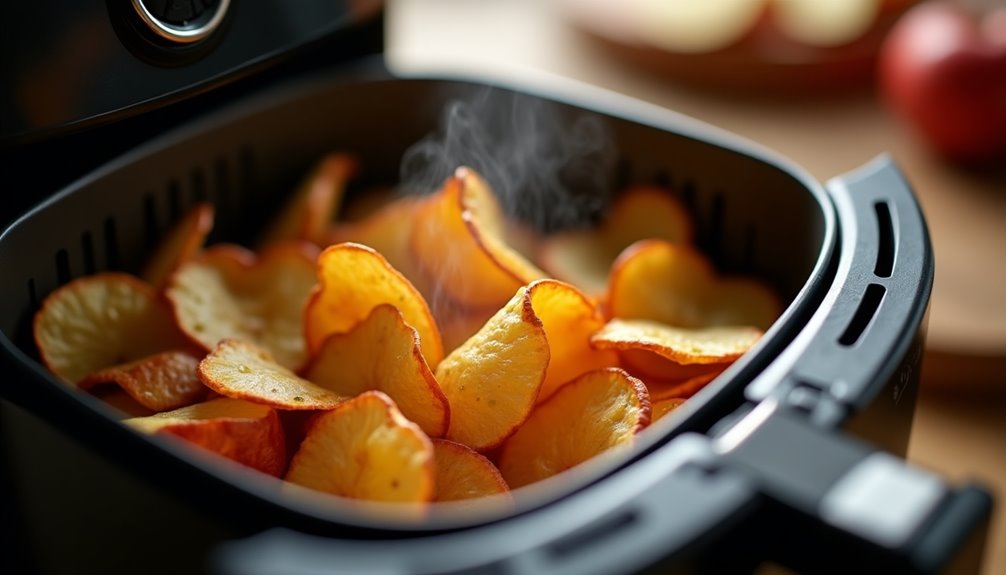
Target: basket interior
x=752 y=215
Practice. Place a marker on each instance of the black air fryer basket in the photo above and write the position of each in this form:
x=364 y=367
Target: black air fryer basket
x=790 y=456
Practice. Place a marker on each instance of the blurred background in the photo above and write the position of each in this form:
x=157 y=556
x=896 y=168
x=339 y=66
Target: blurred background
x=830 y=85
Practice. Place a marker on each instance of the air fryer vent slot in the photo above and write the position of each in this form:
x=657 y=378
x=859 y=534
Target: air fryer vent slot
x=886 y=241
x=87 y=248
x=713 y=237
x=688 y=194
x=868 y=307
x=198 y=181
x=63 y=266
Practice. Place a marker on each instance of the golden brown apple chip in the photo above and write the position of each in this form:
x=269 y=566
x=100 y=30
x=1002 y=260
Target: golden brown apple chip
x=458 y=239
x=229 y=292
x=102 y=320
x=462 y=473
x=239 y=430
x=352 y=280
x=706 y=345
x=598 y=411
x=382 y=352
x=366 y=449
x=241 y=370
x=159 y=382
x=583 y=257
x=676 y=285
x=570 y=318
x=492 y=380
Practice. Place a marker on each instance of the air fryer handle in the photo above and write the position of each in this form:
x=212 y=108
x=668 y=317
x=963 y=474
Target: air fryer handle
x=842 y=506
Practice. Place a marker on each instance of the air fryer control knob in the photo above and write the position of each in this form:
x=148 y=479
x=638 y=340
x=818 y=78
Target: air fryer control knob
x=181 y=21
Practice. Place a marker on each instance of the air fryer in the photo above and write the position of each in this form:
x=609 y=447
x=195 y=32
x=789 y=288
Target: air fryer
x=790 y=457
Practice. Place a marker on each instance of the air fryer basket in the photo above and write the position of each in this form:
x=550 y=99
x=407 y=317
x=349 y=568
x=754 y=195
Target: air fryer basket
x=822 y=249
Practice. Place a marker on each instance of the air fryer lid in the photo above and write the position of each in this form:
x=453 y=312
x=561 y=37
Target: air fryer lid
x=244 y=159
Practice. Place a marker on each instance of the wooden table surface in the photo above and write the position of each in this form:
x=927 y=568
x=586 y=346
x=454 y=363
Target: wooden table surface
x=960 y=427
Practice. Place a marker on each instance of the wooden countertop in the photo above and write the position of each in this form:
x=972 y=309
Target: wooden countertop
x=960 y=430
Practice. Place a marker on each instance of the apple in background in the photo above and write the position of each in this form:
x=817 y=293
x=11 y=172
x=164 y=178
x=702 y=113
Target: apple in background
x=943 y=69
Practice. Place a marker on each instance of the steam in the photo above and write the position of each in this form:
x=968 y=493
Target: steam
x=548 y=167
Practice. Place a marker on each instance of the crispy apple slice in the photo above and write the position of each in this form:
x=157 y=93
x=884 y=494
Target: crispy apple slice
x=352 y=280
x=583 y=257
x=366 y=449
x=676 y=285
x=117 y=398
x=662 y=407
x=826 y=23
x=160 y=382
x=648 y=365
x=183 y=241
x=721 y=344
x=667 y=389
x=312 y=208
x=462 y=473
x=388 y=231
x=695 y=26
x=492 y=380
x=570 y=318
x=458 y=242
x=229 y=292
x=242 y=431
x=598 y=411
x=102 y=320
x=241 y=370
x=382 y=352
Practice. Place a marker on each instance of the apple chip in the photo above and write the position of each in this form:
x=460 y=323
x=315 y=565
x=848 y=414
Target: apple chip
x=229 y=292
x=242 y=370
x=160 y=382
x=662 y=407
x=457 y=239
x=116 y=398
x=242 y=431
x=722 y=344
x=387 y=231
x=352 y=280
x=312 y=208
x=382 y=352
x=492 y=380
x=665 y=389
x=570 y=318
x=598 y=411
x=676 y=285
x=366 y=449
x=102 y=320
x=462 y=473
x=648 y=365
x=182 y=242
x=583 y=257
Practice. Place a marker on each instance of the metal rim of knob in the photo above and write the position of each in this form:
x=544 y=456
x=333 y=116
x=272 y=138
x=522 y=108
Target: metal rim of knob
x=201 y=27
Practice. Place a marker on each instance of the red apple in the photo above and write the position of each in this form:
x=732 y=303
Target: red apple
x=943 y=69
